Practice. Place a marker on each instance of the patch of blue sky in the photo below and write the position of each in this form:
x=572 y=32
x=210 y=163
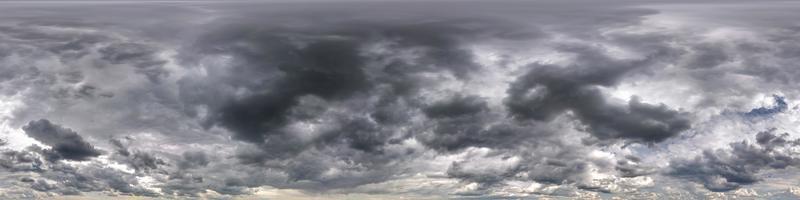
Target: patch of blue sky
x=778 y=106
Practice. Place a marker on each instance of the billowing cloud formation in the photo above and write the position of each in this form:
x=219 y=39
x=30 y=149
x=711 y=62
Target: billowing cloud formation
x=578 y=99
x=546 y=91
x=329 y=64
x=723 y=170
x=65 y=143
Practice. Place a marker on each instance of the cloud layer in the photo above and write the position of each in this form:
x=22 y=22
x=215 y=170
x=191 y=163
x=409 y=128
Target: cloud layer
x=571 y=99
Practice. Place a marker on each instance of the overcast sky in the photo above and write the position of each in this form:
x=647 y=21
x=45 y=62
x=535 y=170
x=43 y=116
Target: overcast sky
x=400 y=100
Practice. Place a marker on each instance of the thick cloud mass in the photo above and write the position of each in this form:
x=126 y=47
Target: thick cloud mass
x=537 y=99
x=65 y=143
x=547 y=90
x=327 y=69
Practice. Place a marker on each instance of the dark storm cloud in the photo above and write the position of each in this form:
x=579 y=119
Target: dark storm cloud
x=728 y=169
x=287 y=75
x=330 y=69
x=322 y=97
x=329 y=65
x=360 y=134
x=547 y=91
x=457 y=106
x=64 y=141
x=292 y=75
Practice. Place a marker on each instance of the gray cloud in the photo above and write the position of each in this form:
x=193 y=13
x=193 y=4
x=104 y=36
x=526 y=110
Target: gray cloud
x=193 y=159
x=458 y=106
x=496 y=99
x=53 y=176
x=65 y=142
x=729 y=169
x=547 y=91
x=329 y=65
x=141 y=161
x=140 y=56
x=632 y=166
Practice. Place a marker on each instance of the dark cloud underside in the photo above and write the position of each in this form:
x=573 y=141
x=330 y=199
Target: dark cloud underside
x=65 y=142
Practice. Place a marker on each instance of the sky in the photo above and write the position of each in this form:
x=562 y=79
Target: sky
x=540 y=99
